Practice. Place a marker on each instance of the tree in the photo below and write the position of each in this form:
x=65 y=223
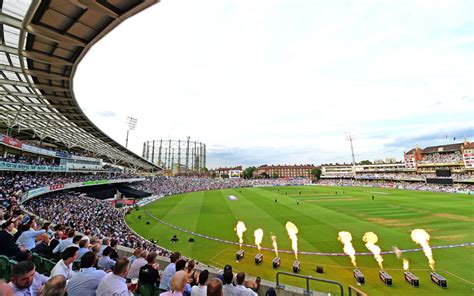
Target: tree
x=316 y=173
x=365 y=162
x=248 y=172
x=264 y=175
x=275 y=176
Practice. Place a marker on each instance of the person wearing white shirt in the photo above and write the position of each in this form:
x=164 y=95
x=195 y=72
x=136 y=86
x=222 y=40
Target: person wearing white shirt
x=64 y=266
x=229 y=289
x=87 y=279
x=201 y=288
x=27 y=238
x=138 y=263
x=241 y=289
x=169 y=271
x=114 y=282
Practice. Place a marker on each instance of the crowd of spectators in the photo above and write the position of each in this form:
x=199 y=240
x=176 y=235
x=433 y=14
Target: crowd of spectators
x=30 y=160
x=86 y=263
x=176 y=185
x=397 y=185
x=449 y=157
x=399 y=176
x=15 y=184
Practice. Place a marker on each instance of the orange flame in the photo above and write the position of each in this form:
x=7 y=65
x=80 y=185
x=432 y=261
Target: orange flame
x=258 y=237
x=292 y=233
x=406 y=264
x=274 y=244
x=240 y=228
x=421 y=237
x=370 y=239
x=345 y=238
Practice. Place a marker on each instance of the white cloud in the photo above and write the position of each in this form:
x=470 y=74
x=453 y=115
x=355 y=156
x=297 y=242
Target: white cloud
x=286 y=76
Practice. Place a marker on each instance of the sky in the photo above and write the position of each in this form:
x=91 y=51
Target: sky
x=284 y=82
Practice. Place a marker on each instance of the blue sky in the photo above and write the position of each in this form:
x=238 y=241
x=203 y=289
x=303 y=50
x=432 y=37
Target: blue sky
x=267 y=82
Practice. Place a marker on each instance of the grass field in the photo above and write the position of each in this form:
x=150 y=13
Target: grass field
x=320 y=215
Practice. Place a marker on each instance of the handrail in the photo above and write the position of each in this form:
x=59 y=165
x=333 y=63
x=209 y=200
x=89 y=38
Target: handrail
x=357 y=291
x=308 y=278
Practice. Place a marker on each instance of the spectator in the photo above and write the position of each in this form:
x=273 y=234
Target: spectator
x=25 y=281
x=191 y=272
x=177 y=284
x=7 y=243
x=83 y=248
x=65 y=243
x=105 y=244
x=5 y=290
x=215 y=288
x=76 y=239
x=28 y=237
x=58 y=234
x=229 y=289
x=135 y=255
x=141 y=261
x=87 y=279
x=114 y=282
x=56 y=286
x=201 y=288
x=64 y=266
x=105 y=262
x=112 y=248
x=169 y=271
x=42 y=248
x=149 y=273
x=241 y=289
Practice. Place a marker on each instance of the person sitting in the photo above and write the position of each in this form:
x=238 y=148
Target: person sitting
x=56 y=286
x=105 y=244
x=76 y=239
x=177 y=284
x=149 y=273
x=228 y=289
x=214 y=288
x=5 y=289
x=64 y=266
x=113 y=247
x=25 y=281
x=134 y=270
x=169 y=271
x=57 y=238
x=241 y=289
x=42 y=248
x=114 y=283
x=83 y=248
x=105 y=262
x=64 y=243
x=201 y=288
x=28 y=237
x=7 y=242
x=87 y=279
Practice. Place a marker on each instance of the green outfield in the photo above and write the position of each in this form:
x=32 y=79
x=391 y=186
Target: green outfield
x=320 y=214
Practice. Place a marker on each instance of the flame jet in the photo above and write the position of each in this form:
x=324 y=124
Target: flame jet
x=240 y=229
x=421 y=237
x=292 y=233
x=345 y=238
x=258 y=234
x=274 y=244
x=370 y=239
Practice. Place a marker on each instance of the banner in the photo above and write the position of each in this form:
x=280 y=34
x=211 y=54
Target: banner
x=11 y=142
x=10 y=166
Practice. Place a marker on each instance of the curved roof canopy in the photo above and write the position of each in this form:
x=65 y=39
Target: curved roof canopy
x=41 y=44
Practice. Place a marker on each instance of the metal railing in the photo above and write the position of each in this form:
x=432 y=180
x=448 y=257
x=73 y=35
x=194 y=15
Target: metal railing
x=356 y=291
x=308 y=278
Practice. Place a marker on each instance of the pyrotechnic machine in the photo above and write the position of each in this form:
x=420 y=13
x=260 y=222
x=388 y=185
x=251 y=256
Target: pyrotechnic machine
x=359 y=276
x=439 y=280
x=385 y=277
x=240 y=254
x=296 y=266
x=276 y=262
x=412 y=279
x=258 y=258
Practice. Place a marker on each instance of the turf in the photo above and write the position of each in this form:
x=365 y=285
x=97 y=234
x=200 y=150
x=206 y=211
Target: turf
x=320 y=215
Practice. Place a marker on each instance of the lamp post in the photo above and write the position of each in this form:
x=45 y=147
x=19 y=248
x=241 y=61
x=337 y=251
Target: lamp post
x=131 y=124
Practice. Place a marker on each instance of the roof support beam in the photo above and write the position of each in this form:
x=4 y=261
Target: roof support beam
x=93 y=5
x=53 y=35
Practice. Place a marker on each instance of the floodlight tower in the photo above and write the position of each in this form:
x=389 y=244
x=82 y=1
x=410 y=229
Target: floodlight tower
x=131 y=124
x=350 y=138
